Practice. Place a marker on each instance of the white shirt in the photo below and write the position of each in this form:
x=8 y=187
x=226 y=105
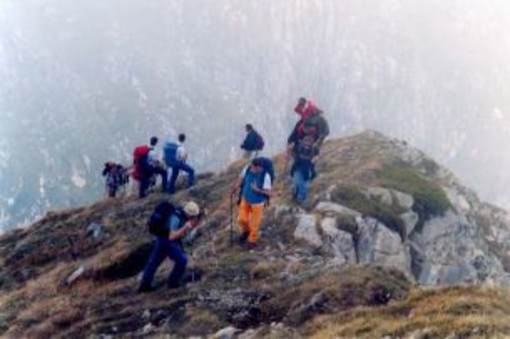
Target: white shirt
x=182 y=155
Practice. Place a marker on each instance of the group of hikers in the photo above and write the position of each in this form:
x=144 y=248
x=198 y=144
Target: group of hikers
x=148 y=165
x=171 y=223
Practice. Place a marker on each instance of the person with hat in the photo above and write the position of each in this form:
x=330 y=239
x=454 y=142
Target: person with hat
x=179 y=223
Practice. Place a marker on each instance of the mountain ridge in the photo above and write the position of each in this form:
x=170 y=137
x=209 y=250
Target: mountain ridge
x=359 y=241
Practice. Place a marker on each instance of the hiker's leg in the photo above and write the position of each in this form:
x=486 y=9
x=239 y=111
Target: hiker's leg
x=244 y=216
x=144 y=185
x=176 y=254
x=191 y=173
x=173 y=178
x=299 y=185
x=256 y=217
x=164 y=177
x=157 y=256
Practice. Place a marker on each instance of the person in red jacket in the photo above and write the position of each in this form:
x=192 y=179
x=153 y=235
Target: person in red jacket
x=305 y=108
x=311 y=122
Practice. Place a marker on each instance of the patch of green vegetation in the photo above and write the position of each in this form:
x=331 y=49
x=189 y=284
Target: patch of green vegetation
x=389 y=215
x=429 y=199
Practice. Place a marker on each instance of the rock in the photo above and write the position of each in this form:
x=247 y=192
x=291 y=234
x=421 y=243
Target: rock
x=341 y=242
x=421 y=334
x=226 y=333
x=94 y=230
x=410 y=219
x=146 y=314
x=148 y=329
x=77 y=273
x=404 y=200
x=307 y=230
x=379 y=245
x=329 y=207
x=381 y=193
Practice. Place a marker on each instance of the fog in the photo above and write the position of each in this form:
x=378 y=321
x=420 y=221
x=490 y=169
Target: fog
x=85 y=82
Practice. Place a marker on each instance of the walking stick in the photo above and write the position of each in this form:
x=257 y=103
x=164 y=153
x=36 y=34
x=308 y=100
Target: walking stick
x=231 y=220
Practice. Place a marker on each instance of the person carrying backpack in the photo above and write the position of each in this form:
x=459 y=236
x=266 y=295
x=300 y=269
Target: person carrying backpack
x=114 y=177
x=311 y=123
x=303 y=167
x=141 y=171
x=169 y=224
x=255 y=184
x=175 y=157
x=156 y=166
x=253 y=143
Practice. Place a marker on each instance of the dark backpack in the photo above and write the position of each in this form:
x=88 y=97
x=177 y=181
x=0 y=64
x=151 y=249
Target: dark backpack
x=158 y=221
x=170 y=153
x=141 y=161
x=259 y=142
x=268 y=166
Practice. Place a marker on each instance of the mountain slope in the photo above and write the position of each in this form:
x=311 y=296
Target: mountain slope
x=382 y=218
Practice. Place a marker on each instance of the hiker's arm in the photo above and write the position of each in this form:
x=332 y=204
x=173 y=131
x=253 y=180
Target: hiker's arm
x=267 y=192
x=236 y=186
x=181 y=232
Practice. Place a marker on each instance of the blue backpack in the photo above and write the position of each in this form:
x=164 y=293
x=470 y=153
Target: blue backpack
x=170 y=153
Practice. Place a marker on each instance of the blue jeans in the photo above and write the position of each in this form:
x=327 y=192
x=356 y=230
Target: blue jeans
x=181 y=166
x=300 y=186
x=165 y=248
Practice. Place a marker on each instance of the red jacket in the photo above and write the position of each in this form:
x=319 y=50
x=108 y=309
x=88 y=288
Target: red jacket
x=306 y=110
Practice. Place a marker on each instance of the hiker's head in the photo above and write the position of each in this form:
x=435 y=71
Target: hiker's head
x=257 y=165
x=182 y=137
x=154 y=141
x=302 y=101
x=192 y=211
x=249 y=127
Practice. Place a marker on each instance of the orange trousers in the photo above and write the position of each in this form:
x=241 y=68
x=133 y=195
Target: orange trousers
x=250 y=217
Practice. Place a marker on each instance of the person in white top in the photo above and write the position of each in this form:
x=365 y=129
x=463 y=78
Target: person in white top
x=180 y=165
x=157 y=167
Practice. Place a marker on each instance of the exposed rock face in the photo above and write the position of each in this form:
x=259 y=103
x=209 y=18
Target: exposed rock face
x=467 y=242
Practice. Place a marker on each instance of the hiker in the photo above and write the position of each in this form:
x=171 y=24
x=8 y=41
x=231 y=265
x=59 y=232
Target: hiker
x=115 y=176
x=170 y=224
x=311 y=122
x=255 y=185
x=175 y=157
x=156 y=165
x=253 y=143
x=141 y=170
x=303 y=167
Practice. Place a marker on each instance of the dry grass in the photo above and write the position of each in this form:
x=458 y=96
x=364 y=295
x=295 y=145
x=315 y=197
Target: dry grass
x=464 y=311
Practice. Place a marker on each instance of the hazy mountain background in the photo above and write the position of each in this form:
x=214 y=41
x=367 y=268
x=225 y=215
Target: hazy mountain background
x=85 y=82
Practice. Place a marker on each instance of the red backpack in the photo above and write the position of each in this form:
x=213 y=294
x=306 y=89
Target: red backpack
x=140 y=162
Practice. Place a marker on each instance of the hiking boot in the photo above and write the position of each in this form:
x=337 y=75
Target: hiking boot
x=144 y=288
x=252 y=246
x=173 y=285
x=243 y=238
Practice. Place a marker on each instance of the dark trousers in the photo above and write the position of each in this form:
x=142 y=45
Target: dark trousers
x=157 y=170
x=145 y=183
x=165 y=248
x=181 y=166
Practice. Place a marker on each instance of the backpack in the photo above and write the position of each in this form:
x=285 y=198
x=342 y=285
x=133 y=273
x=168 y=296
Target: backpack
x=259 y=142
x=170 y=153
x=141 y=162
x=158 y=220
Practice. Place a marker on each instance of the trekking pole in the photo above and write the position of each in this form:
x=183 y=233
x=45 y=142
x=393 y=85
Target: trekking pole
x=231 y=220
